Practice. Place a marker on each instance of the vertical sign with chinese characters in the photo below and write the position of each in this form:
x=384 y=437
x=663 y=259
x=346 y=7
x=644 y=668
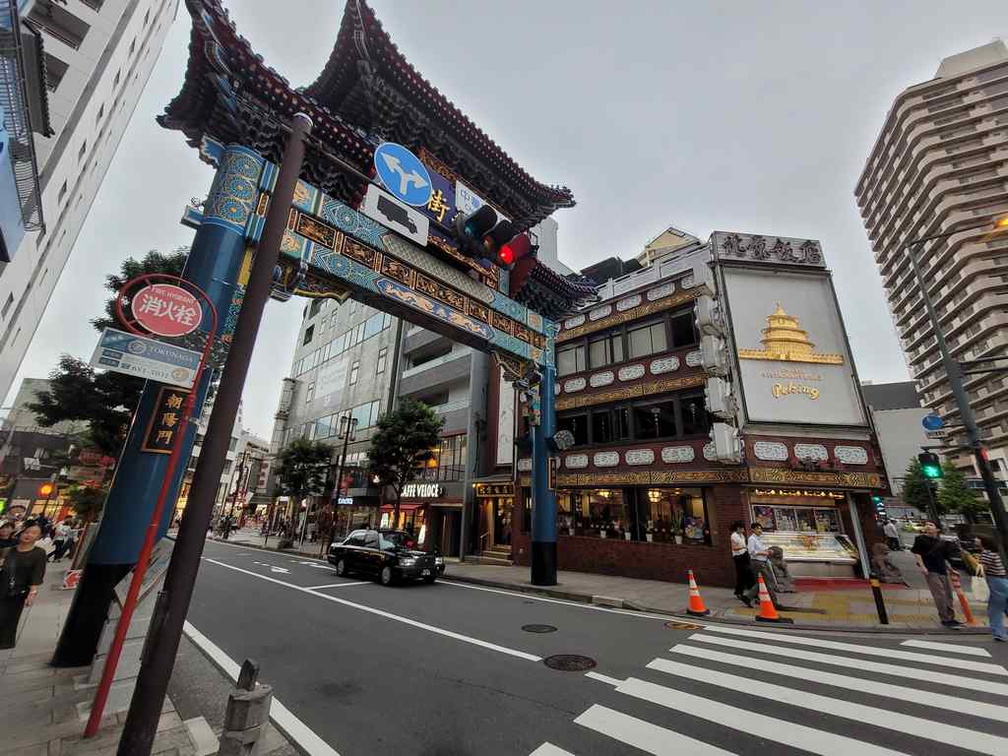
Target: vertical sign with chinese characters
x=165 y=422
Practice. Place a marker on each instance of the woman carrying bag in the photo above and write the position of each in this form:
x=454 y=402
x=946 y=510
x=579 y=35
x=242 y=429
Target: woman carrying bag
x=22 y=572
x=993 y=570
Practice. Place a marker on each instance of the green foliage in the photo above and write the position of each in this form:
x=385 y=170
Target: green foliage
x=405 y=440
x=955 y=496
x=915 y=488
x=303 y=465
x=105 y=400
x=87 y=501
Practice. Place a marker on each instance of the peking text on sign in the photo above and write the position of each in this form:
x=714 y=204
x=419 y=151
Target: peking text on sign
x=146 y=358
x=165 y=421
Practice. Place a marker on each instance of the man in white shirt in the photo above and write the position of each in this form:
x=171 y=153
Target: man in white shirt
x=891 y=532
x=744 y=578
x=759 y=554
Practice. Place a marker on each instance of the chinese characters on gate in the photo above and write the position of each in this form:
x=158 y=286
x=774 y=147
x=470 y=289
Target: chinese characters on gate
x=166 y=421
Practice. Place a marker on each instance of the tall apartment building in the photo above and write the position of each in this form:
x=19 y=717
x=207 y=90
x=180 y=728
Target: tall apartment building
x=98 y=57
x=941 y=163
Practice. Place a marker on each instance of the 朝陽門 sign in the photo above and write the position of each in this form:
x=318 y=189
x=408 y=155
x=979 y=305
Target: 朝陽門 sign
x=165 y=422
x=166 y=310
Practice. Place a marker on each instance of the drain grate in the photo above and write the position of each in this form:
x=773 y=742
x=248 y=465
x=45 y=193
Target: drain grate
x=683 y=626
x=539 y=628
x=569 y=662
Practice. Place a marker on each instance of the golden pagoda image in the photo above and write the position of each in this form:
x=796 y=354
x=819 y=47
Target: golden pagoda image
x=785 y=341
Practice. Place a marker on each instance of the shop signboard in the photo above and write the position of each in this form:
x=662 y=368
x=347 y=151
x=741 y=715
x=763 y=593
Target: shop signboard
x=790 y=347
x=422 y=491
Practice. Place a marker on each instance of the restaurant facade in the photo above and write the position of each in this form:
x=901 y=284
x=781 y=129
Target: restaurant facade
x=711 y=386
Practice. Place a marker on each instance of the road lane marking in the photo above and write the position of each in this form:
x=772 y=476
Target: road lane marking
x=760 y=725
x=936 y=730
x=285 y=721
x=339 y=585
x=548 y=749
x=614 y=681
x=848 y=682
x=864 y=665
x=954 y=648
x=888 y=653
x=387 y=615
x=648 y=737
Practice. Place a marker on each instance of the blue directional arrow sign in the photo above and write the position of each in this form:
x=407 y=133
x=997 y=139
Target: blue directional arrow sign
x=932 y=422
x=403 y=174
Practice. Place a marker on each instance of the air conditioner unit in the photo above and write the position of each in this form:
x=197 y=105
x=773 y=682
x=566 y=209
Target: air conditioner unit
x=708 y=316
x=703 y=275
x=712 y=354
x=720 y=401
x=727 y=445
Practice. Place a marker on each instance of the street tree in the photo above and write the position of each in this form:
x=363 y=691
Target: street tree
x=302 y=468
x=87 y=501
x=955 y=496
x=105 y=400
x=915 y=488
x=406 y=438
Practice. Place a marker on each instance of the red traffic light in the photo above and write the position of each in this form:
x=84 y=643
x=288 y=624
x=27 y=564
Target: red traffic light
x=518 y=248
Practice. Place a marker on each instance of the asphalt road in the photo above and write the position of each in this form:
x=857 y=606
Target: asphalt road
x=448 y=670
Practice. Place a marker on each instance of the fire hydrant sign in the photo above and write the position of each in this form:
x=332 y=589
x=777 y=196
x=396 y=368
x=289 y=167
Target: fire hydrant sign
x=145 y=358
x=166 y=310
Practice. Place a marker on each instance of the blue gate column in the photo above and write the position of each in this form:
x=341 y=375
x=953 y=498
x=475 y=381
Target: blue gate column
x=544 y=516
x=213 y=264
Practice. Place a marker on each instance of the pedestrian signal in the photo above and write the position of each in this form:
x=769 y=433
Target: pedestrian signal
x=930 y=464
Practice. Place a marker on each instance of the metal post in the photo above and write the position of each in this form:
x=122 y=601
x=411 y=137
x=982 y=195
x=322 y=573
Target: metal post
x=953 y=370
x=173 y=602
x=932 y=504
x=544 y=533
x=876 y=589
x=240 y=472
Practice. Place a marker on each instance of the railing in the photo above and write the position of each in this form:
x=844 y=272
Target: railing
x=458 y=404
x=452 y=355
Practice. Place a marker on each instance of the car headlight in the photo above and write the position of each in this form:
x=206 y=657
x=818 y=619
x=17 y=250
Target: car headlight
x=438 y=561
x=407 y=562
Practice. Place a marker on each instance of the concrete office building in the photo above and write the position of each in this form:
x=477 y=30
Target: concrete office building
x=941 y=163
x=98 y=57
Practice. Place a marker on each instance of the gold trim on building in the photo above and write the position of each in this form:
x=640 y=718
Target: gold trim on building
x=645 y=388
x=830 y=479
x=633 y=313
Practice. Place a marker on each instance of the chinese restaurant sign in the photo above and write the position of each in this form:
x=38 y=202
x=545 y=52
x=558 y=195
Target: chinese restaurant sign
x=165 y=422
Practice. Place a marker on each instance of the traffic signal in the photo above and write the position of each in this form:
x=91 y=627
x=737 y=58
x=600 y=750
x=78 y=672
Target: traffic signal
x=484 y=234
x=930 y=464
x=45 y=490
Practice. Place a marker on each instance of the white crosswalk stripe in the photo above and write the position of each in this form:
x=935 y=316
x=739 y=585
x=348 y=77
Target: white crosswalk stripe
x=826 y=715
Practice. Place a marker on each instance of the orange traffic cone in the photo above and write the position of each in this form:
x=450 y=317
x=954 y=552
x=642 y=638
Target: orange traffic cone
x=767 y=612
x=696 y=606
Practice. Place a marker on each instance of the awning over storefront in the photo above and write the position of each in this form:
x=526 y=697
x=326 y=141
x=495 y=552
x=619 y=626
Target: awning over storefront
x=402 y=507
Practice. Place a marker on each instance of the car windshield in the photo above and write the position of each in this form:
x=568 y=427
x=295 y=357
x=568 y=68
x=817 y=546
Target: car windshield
x=398 y=540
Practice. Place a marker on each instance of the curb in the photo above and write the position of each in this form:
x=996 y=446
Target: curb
x=305 y=554
x=605 y=601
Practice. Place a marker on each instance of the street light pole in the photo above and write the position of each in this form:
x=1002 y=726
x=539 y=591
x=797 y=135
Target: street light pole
x=347 y=427
x=954 y=372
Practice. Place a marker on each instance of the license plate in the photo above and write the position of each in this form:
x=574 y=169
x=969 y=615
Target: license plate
x=424 y=573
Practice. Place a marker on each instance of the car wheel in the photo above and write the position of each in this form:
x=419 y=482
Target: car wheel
x=386 y=576
x=341 y=570
x=430 y=579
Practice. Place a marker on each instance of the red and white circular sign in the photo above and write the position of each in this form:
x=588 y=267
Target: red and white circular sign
x=167 y=310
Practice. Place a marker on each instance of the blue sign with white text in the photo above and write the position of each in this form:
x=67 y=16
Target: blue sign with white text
x=403 y=174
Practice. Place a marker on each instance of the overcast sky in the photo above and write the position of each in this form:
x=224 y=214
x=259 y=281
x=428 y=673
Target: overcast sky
x=701 y=115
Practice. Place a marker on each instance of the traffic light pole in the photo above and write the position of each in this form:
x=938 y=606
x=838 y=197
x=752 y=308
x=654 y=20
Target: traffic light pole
x=954 y=372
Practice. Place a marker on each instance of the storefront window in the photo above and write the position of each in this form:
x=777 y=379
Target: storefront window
x=797 y=518
x=598 y=512
x=676 y=515
x=449 y=460
x=577 y=425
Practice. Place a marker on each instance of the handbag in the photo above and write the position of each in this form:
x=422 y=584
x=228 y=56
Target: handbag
x=979 y=590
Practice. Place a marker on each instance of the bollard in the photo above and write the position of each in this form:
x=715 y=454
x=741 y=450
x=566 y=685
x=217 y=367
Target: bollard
x=247 y=713
x=963 y=601
x=876 y=589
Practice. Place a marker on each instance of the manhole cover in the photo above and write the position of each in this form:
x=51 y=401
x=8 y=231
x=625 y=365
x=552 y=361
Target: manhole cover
x=539 y=628
x=569 y=662
x=683 y=626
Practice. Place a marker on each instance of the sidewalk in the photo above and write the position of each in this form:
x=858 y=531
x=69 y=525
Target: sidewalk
x=40 y=702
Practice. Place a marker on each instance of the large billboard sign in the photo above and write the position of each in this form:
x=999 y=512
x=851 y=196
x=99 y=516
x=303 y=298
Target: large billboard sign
x=790 y=347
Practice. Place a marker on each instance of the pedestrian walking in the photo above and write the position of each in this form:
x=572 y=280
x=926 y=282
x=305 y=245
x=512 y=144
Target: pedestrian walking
x=61 y=538
x=932 y=554
x=7 y=538
x=892 y=535
x=21 y=574
x=744 y=578
x=992 y=569
x=759 y=555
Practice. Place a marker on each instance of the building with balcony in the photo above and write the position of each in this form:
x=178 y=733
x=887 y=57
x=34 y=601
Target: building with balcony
x=940 y=163
x=98 y=55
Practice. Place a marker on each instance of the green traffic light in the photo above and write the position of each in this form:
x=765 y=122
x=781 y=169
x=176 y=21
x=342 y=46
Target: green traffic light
x=931 y=471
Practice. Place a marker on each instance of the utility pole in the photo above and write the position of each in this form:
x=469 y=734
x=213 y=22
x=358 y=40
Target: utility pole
x=238 y=483
x=172 y=605
x=954 y=372
x=347 y=427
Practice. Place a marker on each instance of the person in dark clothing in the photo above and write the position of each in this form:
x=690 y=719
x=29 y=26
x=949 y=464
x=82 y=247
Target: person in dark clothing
x=20 y=577
x=932 y=554
x=744 y=577
x=7 y=538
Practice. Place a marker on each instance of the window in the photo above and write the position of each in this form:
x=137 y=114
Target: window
x=309 y=332
x=684 y=330
x=132 y=46
x=380 y=364
x=354 y=370
x=577 y=425
x=610 y=425
x=95 y=5
x=647 y=339
x=677 y=511
x=118 y=76
x=373 y=325
x=315 y=307
x=309 y=393
x=55 y=71
x=654 y=420
x=99 y=114
x=147 y=17
x=59 y=23
x=7 y=305
x=62 y=192
x=371 y=539
x=227 y=468
x=694 y=415
x=605 y=350
x=232 y=443
x=449 y=460
x=571 y=359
